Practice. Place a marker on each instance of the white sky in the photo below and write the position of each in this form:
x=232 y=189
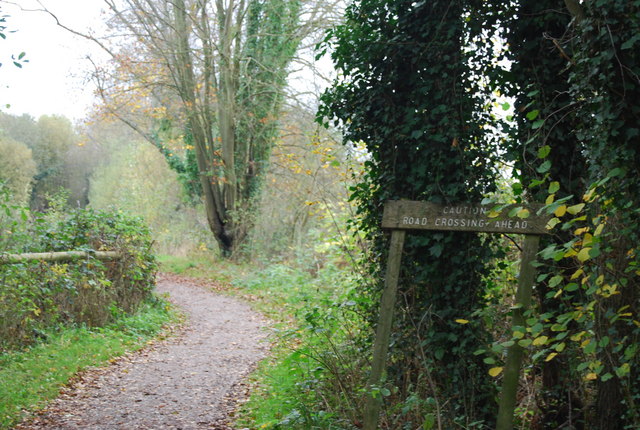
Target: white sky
x=54 y=79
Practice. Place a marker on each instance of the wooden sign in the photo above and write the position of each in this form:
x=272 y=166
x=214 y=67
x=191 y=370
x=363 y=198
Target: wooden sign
x=416 y=215
x=402 y=215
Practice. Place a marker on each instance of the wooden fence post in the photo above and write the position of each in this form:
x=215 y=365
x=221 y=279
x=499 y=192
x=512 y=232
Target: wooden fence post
x=515 y=352
x=383 y=332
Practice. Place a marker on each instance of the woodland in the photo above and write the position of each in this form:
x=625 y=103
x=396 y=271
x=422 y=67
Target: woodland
x=220 y=147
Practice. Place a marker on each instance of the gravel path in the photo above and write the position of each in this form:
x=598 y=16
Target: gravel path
x=191 y=381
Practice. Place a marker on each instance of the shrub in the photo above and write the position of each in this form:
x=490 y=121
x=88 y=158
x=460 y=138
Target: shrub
x=38 y=295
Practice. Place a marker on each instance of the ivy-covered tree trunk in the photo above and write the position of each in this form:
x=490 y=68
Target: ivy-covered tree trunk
x=405 y=94
x=214 y=67
x=606 y=83
x=544 y=148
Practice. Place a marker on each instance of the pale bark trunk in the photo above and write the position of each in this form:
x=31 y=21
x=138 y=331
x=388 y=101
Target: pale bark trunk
x=57 y=256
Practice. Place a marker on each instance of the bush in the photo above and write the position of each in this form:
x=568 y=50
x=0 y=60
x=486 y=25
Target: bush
x=36 y=296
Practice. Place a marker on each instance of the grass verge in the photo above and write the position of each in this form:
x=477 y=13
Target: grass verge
x=32 y=377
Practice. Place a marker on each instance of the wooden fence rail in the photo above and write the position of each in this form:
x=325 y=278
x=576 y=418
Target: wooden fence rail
x=57 y=256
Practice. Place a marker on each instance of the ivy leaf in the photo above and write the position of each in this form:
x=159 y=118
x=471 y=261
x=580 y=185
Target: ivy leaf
x=629 y=43
x=436 y=250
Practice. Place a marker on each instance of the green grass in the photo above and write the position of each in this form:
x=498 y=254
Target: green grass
x=278 y=391
x=202 y=267
x=32 y=377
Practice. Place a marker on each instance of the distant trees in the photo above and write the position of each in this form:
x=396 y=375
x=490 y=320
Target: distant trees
x=214 y=71
x=17 y=169
x=62 y=162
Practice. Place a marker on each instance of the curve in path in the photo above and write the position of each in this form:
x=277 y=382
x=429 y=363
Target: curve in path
x=181 y=383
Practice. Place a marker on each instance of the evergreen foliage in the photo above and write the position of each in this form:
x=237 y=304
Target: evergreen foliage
x=417 y=82
x=405 y=92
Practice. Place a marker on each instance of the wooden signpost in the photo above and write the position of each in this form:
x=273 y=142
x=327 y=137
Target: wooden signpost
x=402 y=215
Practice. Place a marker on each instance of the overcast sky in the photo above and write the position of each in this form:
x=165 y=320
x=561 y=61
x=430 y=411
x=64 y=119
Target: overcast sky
x=54 y=79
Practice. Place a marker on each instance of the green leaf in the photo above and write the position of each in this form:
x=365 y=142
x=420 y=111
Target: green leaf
x=544 y=151
x=537 y=124
x=615 y=172
x=554 y=187
x=629 y=43
x=436 y=250
x=544 y=167
x=524 y=342
x=571 y=287
x=516 y=188
x=555 y=281
x=533 y=115
x=606 y=377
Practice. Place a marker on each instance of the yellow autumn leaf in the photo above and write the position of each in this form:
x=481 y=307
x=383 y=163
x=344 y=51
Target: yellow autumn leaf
x=591 y=376
x=550 y=199
x=570 y=253
x=523 y=213
x=552 y=223
x=551 y=356
x=560 y=211
x=578 y=336
x=575 y=208
x=540 y=340
x=588 y=239
x=579 y=231
x=576 y=274
x=583 y=255
x=462 y=321
x=599 y=229
x=495 y=371
x=588 y=196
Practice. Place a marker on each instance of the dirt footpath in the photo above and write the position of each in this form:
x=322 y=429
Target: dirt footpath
x=186 y=382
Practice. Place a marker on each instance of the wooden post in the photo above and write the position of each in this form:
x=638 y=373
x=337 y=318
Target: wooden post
x=515 y=352
x=400 y=215
x=383 y=331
